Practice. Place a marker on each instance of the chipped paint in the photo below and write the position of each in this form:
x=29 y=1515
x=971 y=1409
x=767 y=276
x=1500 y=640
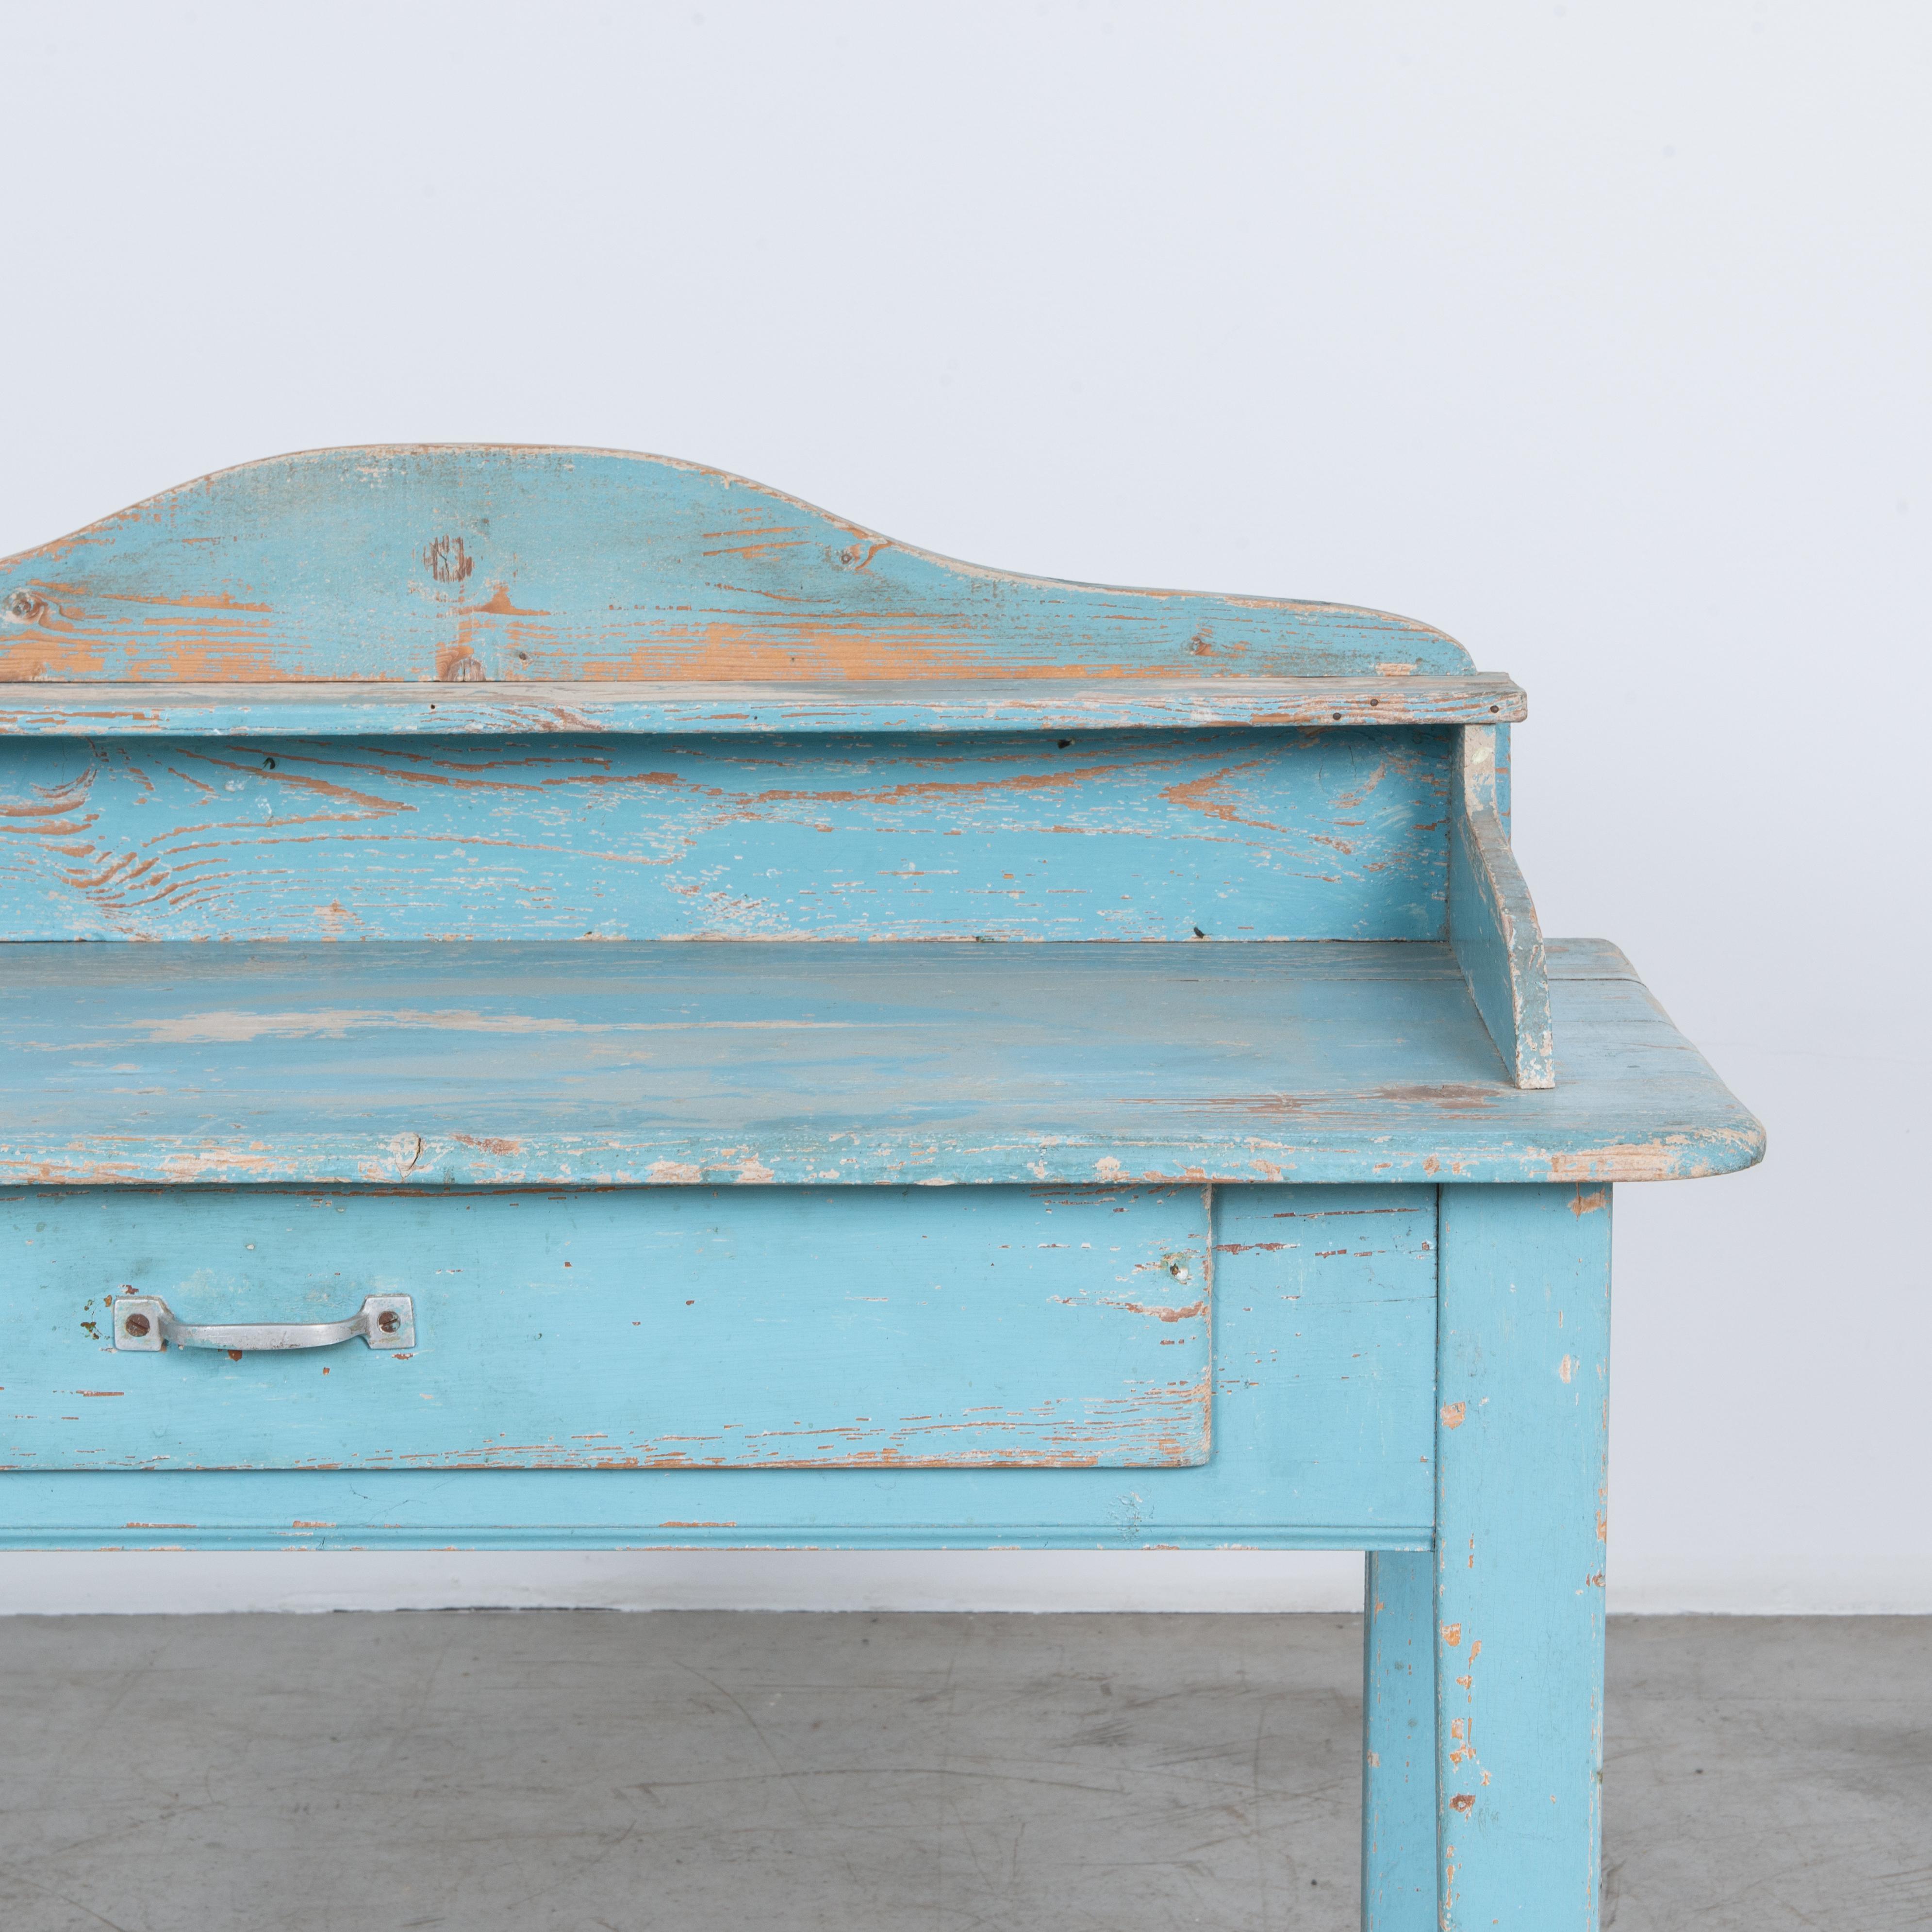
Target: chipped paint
x=437 y=1073
x=602 y=565
x=1003 y=1309
x=617 y=1065
x=327 y=710
x=1524 y=1287
x=635 y=838
x=1492 y=922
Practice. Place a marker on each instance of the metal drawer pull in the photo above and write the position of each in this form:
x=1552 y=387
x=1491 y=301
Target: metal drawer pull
x=146 y=1321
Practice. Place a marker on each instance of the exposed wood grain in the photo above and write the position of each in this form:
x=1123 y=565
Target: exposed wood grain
x=668 y=1328
x=1325 y=1327
x=1492 y=922
x=1231 y=835
x=348 y=710
x=500 y=1063
x=522 y=698
x=458 y=562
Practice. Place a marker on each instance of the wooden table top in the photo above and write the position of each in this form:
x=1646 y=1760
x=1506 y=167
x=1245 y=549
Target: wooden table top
x=520 y=1064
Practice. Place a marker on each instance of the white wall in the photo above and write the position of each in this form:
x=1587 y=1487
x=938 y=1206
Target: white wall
x=1596 y=335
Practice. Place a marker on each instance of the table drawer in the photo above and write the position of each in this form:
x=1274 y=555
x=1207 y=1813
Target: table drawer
x=658 y=1327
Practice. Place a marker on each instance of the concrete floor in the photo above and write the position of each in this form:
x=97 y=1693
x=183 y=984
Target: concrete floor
x=692 y=1770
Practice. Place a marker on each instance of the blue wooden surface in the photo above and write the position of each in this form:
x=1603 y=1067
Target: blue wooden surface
x=1238 y=835
x=1523 y=1392
x=624 y=699
x=435 y=1065
x=643 y=708
x=1493 y=924
x=1325 y=1327
x=461 y=562
x=1399 y=1742
x=644 y=1327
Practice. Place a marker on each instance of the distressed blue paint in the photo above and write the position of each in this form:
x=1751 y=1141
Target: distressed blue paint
x=617 y=697
x=488 y=562
x=1324 y=1324
x=657 y=709
x=618 y=1509
x=1399 y=1742
x=1523 y=1375
x=537 y=1065
x=1242 y=835
x=1304 y=1277
x=655 y=1328
x=1493 y=925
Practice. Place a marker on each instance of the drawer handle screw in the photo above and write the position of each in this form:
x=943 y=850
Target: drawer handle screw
x=137 y=1324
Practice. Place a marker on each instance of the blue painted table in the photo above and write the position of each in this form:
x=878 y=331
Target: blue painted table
x=1058 y=1067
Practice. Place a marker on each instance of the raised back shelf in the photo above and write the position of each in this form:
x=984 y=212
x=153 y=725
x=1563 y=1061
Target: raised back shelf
x=516 y=697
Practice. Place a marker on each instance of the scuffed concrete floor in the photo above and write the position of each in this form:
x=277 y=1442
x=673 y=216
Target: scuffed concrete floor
x=687 y=1771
